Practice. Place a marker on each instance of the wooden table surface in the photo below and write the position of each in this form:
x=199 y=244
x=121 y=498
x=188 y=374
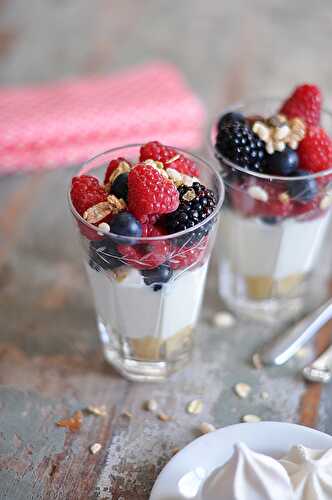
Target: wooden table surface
x=50 y=360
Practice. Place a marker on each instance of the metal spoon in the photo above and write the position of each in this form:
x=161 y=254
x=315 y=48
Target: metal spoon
x=321 y=369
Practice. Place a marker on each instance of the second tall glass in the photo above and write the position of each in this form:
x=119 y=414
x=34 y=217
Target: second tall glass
x=273 y=257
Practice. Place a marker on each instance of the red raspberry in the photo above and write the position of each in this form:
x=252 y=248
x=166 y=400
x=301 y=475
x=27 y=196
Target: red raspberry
x=305 y=102
x=150 y=193
x=158 y=152
x=86 y=192
x=184 y=257
x=146 y=255
x=113 y=165
x=149 y=230
x=249 y=206
x=315 y=150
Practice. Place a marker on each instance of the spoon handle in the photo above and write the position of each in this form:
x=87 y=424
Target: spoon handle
x=283 y=347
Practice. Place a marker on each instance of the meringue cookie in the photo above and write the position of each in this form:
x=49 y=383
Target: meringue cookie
x=310 y=472
x=248 y=476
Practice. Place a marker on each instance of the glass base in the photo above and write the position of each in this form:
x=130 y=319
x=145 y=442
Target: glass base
x=267 y=304
x=144 y=371
x=146 y=359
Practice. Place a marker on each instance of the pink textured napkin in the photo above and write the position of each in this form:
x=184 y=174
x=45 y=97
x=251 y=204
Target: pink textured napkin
x=67 y=122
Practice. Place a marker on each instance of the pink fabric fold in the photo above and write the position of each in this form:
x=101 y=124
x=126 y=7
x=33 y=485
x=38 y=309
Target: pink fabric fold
x=67 y=122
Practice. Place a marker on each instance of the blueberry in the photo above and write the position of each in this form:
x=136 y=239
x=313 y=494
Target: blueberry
x=270 y=220
x=282 y=163
x=302 y=190
x=120 y=187
x=230 y=117
x=157 y=276
x=104 y=255
x=125 y=224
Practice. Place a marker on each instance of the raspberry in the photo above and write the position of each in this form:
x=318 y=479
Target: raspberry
x=158 y=152
x=184 y=257
x=145 y=256
x=315 y=150
x=113 y=165
x=86 y=192
x=305 y=103
x=276 y=206
x=150 y=193
x=237 y=142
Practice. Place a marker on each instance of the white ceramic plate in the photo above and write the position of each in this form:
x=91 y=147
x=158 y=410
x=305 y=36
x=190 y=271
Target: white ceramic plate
x=183 y=475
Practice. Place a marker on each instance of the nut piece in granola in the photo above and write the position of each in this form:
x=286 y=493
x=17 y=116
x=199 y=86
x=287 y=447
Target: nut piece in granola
x=97 y=212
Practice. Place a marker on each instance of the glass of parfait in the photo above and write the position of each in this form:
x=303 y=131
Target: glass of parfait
x=275 y=159
x=147 y=217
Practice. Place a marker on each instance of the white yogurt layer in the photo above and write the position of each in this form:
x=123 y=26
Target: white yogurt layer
x=133 y=309
x=255 y=248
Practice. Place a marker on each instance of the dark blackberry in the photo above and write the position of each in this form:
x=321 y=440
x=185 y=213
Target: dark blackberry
x=238 y=143
x=196 y=204
x=104 y=255
x=232 y=116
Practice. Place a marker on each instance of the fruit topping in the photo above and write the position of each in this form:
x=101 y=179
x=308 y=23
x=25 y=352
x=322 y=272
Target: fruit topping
x=116 y=167
x=104 y=255
x=230 y=117
x=315 y=151
x=196 y=204
x=305 y=102
x=169 y=157
x=138 y=206
x=86 y=192
x=188 y=256
x=302 y=190
x=125 y=224
x=157 y=276
x=237 y=142
x=150 y=192
x=119 y=187
x=282 y=163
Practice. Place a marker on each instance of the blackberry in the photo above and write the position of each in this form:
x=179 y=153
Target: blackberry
x=104 y=255
x=232 y=116
x=238 y=143
x=196 y=204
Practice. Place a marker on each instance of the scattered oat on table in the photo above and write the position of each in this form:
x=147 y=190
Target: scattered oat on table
x=223 y=319
x=164 y=418
x=256 y=361
x=98 y=411
x=94 y=448
x=150 y=405
x=195 y=407
x=127 y=413
x=242 y=390
x=205 y=428
x=250 y=419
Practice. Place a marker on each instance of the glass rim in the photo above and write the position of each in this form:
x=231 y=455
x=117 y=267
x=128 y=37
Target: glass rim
x=144 y=239
x=236 y=107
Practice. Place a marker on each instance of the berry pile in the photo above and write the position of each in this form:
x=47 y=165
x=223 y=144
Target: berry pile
x=290 y=144
x=138 y=204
